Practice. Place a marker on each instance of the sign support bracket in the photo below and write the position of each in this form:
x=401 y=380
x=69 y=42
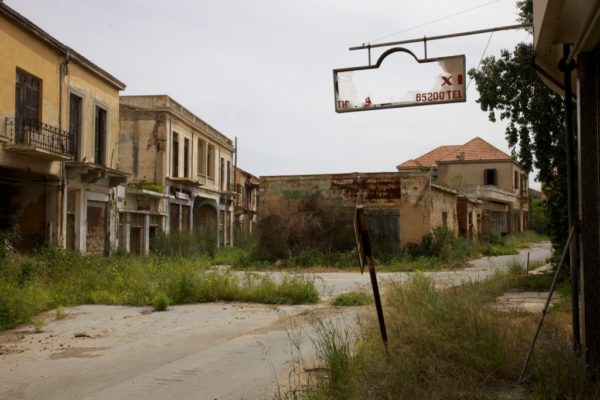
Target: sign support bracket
x=424 y=39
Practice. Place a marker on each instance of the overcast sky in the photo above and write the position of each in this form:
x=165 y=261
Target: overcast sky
x=261 y=70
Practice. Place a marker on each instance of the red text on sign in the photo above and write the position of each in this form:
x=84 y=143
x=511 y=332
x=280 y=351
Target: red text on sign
x=439 y=96
x=343 y=103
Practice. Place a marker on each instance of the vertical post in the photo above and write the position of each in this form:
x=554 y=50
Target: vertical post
x=572 y=200
x=146 y=238
x=365 y=255
x=589 y=179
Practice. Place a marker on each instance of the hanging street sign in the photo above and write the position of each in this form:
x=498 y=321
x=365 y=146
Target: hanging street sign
x=406 y=84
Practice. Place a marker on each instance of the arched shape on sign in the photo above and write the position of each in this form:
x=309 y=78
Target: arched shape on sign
x=396 y=84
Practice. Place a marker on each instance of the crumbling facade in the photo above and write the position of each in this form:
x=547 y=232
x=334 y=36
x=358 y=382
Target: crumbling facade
x=480 y=172
x=165 y=145
x=400 y=209
x=246 y=205
x=58 y=141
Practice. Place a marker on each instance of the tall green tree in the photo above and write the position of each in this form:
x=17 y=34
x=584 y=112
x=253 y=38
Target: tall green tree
x=511 y=90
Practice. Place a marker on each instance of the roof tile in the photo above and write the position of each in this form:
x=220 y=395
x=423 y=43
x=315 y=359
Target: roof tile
x=475 y=149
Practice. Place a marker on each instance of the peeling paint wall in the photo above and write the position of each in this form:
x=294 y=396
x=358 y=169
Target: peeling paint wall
x=142 y=144
x=409 y=200
x=443 y=210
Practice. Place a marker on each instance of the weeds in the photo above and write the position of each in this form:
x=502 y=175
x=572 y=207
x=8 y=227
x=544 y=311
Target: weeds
x=60 y=313
x=51 y=278
x=352 y=299
x=450 y=344
x=202 y=243
x=38 y=324
x=437 y=250
x=333 y=348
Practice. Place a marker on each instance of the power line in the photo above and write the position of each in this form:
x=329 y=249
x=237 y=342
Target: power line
x=481 y=59
x=434 y=21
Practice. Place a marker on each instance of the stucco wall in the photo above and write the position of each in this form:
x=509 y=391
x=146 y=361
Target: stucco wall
x=142 y=144
x=444 y=203
x=154 y=119
x=409 y=198
x=21 y=50
x=460 y=176
x=94 y=92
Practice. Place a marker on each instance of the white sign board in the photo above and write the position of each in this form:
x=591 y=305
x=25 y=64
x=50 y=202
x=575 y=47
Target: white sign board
x=401 y=82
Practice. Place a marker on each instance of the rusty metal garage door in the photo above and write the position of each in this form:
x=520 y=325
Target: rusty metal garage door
x=384 y=230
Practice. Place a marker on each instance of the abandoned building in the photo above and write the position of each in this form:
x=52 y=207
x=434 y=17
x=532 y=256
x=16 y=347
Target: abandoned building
x=190 y=165
x=246 y=204
x=400 y=208
x=58 y=141
x=480 y=172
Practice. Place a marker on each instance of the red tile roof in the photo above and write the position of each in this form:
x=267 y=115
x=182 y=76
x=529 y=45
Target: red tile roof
x=431 y=158
x=475 y=149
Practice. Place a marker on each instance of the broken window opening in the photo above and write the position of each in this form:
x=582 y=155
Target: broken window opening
x=100 y=136
x=175 y=155
x=489 y=177
x=186 y=157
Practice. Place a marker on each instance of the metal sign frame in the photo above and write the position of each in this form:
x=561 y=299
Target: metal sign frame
x=384 y=106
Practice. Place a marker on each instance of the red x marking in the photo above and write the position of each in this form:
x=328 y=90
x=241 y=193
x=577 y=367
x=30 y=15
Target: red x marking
x=446 y=80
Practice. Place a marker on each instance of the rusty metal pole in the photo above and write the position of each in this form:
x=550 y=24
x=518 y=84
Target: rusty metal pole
x=378 y=306
x=365 y=255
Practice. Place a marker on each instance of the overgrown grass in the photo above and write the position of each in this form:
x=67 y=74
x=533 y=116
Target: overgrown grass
x=352 y=299
x=438 y=250
x=30 y=284
x=451 y=344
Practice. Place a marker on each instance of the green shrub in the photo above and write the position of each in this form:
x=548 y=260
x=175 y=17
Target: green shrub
x=19 y=304
x=352 y=299
x=9 y=240
x=438 y=243
x=145 y=185
x=161 y=302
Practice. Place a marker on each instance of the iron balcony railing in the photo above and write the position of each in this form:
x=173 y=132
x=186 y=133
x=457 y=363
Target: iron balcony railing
x=37 y=134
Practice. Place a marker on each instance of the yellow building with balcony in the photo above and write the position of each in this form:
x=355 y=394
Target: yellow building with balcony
x=59 y=122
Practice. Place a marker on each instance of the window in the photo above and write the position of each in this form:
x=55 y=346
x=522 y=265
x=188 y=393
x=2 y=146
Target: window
x=201 y=157
x=100 y=136
x=222 y=174
x=516 y=184
x=444 y=218
x=27 y=104
x=27 y=97
x=489 y=177
x=228 y=183
x=186 y=157
x=211 y=161
x=75 y=103
x=175 y=155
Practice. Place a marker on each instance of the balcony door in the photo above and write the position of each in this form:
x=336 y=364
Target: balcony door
x=27 y=103
x=100 y=136
x=75 y=125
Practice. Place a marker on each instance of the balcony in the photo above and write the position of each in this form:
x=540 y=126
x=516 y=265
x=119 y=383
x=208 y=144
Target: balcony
x=35 y=138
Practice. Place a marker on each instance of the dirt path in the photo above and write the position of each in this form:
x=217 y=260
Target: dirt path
x=204 y=351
